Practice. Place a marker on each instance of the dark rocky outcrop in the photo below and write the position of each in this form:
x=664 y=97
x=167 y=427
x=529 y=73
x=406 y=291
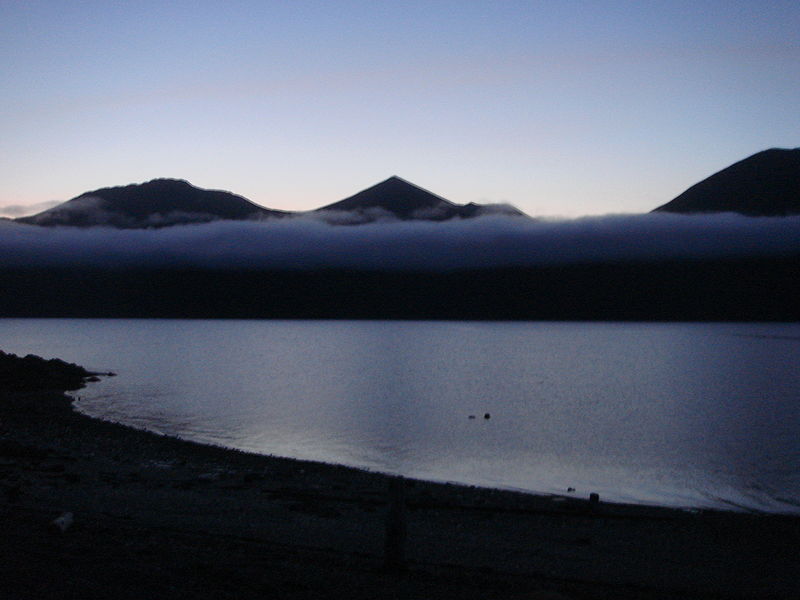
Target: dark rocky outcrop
x=766 y=184
x=35 y=373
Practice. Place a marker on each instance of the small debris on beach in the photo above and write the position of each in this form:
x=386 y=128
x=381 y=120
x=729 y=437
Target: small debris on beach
x=160 y=464
x=62 y=523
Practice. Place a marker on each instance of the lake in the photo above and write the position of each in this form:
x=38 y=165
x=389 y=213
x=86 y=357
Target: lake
x=679 y=414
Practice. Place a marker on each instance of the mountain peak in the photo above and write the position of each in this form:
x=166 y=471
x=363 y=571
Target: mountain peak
x=155 y=203
x=166 y=181
x=764 y=184
x=397 y=198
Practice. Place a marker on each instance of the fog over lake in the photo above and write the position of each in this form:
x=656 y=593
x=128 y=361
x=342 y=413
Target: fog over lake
x=676 y=414
x=490 y=241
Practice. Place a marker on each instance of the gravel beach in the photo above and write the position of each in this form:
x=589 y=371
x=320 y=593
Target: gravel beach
x=91 y=509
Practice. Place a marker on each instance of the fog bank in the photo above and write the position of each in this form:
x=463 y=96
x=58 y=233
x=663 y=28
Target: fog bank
x=491 y=241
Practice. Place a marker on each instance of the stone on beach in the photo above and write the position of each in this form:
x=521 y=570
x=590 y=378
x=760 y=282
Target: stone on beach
x=63 y=522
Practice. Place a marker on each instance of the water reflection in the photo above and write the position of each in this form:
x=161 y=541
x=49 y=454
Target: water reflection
x=682 y=414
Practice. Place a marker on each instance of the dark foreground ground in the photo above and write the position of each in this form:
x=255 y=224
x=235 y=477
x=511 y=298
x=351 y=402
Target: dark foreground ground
x=156 y=517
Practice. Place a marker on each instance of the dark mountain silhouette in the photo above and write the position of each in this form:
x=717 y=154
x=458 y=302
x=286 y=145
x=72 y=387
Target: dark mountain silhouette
x=165 y=202
x=766 y=184
x=396 y=198
x=157 y=203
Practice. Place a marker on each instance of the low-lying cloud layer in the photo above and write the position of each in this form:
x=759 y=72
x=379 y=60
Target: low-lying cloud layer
x=490 y=241
x=13 y=211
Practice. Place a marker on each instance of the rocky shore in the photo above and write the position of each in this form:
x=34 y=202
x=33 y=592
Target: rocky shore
x=90 y=509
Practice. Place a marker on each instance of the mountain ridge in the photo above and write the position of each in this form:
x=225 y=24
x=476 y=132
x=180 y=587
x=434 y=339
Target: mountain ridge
x=164 y=202
x=764 y=184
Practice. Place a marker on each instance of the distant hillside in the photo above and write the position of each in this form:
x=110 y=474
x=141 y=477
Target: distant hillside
x=764 y=185
x=157 y=203
x=396 y=198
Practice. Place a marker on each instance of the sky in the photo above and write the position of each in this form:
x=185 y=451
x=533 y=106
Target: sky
x=559 y=108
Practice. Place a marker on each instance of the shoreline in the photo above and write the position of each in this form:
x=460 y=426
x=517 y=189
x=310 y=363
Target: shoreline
x=160 y=516
x=567 y=496
x=769 y=505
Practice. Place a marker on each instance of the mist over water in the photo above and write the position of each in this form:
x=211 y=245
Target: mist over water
x=702 y=415
x=308 y=243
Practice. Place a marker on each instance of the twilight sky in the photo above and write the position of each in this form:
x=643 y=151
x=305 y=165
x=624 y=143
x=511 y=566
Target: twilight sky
x=558 y=107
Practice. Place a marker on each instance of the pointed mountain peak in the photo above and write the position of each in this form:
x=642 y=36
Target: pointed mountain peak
x=396 y=196
x=397 y=180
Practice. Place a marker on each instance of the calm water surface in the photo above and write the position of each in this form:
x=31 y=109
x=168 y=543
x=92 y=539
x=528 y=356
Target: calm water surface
x=676 y=414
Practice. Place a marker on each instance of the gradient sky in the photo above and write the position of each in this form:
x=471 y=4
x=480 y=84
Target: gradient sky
x=560 y=108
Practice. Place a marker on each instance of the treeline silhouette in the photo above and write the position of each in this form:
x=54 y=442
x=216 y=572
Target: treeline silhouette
x=750 y=289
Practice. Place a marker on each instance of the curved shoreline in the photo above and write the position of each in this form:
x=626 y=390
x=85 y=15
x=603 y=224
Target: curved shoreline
x=669 y=498
x=218 y=523
x=569 y=495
